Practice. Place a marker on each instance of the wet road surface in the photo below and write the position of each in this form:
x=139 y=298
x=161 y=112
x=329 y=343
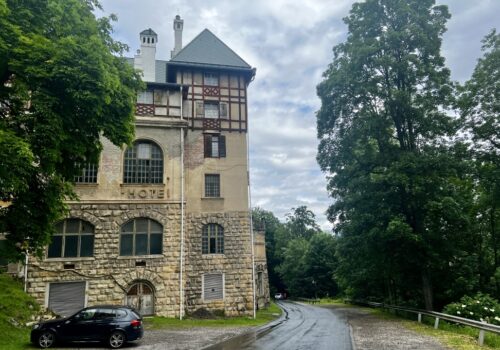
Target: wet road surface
x=304 y=327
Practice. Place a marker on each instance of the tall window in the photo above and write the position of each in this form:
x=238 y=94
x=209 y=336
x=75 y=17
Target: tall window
x=212 y=239
x=88 y=174
x=212 y=185
x=143 y=164
x=215 y=146
x=141 y=236
x=73 y=238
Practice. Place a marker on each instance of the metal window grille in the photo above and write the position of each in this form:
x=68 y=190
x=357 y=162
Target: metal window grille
x=88 y=175
x=141 y=236
x=143 y=164
x=212 y=185
x=212 y=239
x=73 y=238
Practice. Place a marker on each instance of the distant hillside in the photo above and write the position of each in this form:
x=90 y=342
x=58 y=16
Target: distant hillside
x=16 y=309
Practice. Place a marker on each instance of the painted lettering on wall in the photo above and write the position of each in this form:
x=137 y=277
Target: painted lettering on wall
x=143 y=193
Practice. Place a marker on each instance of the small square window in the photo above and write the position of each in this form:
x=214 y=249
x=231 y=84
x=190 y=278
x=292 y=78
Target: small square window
x=211 y=79
x=211 y=110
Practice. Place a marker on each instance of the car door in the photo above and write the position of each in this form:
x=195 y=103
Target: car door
x=80 y=326
x=105 y=322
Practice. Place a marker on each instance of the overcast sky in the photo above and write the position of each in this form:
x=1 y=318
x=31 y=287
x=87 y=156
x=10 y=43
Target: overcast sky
x=290 y=43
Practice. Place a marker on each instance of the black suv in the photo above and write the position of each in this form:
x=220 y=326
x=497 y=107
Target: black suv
x=112 y=324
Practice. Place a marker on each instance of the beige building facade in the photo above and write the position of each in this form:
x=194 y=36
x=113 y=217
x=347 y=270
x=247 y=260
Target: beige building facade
x=164 y=225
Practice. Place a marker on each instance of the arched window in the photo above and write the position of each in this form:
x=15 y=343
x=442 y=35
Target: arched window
x=212 y=240
x=73 y=238
x=141 y=236
x=143 y=164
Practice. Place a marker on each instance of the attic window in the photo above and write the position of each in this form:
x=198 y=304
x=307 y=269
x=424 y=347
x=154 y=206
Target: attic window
x=211 y=79
x=152 y=40
x=144 y=40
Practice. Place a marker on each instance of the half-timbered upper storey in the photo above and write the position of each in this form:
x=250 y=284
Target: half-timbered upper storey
x=211 y=77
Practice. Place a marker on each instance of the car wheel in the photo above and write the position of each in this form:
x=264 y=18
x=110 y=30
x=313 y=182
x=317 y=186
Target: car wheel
x=46 y=339
x=116 y=339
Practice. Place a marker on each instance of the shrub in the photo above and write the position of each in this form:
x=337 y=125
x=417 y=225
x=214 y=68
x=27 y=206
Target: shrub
x=481 y=307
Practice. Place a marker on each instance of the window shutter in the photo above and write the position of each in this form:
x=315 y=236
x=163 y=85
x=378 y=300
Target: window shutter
x=223 y=110
x=208 y=145
x=199 y=109
x=222 y=146
x=213 y=288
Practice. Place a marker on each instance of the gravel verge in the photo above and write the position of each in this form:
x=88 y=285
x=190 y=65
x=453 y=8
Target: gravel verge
x=370 y=332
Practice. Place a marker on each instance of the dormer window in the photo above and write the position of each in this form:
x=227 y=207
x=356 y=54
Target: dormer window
x=211 y=79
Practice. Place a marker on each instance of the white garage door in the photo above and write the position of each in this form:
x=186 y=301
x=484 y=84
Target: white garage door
x=66 y=298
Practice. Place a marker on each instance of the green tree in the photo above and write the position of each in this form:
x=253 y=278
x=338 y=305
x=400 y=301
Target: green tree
x=266 y=221
x=480 y=98
x=293 y=269
x=480 y=111
x=384 y=142
x=321 y=264
x=63 y=85
x=301 y=222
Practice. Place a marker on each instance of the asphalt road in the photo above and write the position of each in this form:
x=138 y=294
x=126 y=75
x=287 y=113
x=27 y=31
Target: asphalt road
x=304 y=327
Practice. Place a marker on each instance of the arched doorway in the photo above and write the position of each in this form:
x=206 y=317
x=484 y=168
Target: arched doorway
x=140 y=296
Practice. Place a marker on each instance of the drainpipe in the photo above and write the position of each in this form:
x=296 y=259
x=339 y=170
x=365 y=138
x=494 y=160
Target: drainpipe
x=26 y=269
x=251 y=222
x=181 y=287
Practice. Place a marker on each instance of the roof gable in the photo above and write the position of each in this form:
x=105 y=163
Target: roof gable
x=207 y=49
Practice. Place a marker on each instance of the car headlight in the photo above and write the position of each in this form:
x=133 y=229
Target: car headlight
x=36 y=326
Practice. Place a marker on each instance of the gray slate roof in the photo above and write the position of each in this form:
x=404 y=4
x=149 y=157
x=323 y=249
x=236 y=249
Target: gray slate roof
x=148 y=31
x=207 y=49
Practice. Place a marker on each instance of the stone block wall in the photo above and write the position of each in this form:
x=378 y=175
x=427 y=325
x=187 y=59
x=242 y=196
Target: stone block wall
x=235 y=263
x=110 y=275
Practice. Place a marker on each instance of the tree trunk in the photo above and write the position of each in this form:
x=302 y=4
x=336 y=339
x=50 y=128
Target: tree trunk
x=427 y=290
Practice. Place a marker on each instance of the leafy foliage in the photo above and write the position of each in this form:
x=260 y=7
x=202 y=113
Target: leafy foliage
x=384 y=141
x=63 y=85
x=301 y=259
x=481 y=307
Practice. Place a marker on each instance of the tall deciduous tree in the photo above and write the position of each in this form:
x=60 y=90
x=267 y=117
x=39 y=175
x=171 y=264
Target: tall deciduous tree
x=384 y=143
x=479 y=103
x=63 y=85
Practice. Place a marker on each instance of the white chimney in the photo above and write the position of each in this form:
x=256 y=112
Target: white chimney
x=145 y=60
x=178 y=24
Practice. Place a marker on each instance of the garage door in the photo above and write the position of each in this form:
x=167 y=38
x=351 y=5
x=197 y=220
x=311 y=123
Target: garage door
x=66 y=298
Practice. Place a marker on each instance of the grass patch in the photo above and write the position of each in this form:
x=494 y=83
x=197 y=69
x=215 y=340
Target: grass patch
x=454 y=336
x=16 y=309
x=332 y=301
x=263 y=316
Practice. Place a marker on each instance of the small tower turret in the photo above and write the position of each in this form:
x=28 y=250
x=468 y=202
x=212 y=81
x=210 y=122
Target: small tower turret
x=145 y=59
x=178 y=25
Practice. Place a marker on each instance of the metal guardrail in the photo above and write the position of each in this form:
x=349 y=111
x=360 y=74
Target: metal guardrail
x=307 y=300
x=482 y=326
